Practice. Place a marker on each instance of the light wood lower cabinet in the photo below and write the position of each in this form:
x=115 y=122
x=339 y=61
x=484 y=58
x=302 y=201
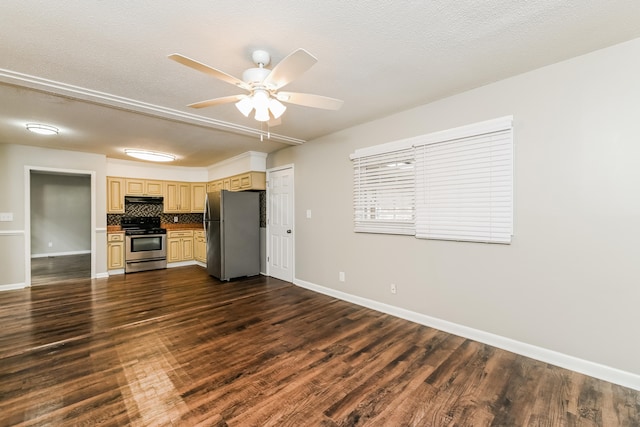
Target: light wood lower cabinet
x=115 y=251
x=179 y=245
x=199 y=247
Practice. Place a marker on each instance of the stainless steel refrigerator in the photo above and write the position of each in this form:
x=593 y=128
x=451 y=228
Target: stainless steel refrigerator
x=232 y=230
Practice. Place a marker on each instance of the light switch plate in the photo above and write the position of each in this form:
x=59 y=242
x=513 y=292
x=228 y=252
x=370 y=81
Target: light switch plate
x=6 y=216
x=308 y=213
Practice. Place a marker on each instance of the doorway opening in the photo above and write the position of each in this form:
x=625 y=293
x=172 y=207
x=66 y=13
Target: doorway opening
x=60 y=226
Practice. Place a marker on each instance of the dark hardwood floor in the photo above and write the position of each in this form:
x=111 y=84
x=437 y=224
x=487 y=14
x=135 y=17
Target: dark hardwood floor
x=57 y=269
x=177 y=347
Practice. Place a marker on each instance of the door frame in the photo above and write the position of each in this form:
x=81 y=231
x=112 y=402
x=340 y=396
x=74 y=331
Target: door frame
x=27 y=215
x=289 y=166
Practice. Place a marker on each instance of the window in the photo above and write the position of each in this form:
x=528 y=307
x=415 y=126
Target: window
x=384 y=192
x=450 y=185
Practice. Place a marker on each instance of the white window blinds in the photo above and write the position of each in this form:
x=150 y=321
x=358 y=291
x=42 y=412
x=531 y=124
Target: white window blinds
x=464 y=187
x=384 y=192
x=451 y=185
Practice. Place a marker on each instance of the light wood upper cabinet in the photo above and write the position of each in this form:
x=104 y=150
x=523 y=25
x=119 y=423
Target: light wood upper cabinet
x=198 y=194
x=241 y=182
x=115 y=194
x=143 y=187
x=134 y=187
x=153 y=188
x=177 y=197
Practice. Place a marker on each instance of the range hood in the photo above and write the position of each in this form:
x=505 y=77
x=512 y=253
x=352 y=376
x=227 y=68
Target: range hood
x=148 y=200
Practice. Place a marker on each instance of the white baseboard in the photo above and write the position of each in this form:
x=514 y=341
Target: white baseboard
x=181 y=264
x=12 y=287
x=110 y=273
x=596 y=370
x=60 y=254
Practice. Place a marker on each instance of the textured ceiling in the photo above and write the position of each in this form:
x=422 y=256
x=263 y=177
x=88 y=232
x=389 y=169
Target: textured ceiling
x=99 y=69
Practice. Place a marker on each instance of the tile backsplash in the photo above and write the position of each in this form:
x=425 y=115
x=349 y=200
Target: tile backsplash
x=141 y=209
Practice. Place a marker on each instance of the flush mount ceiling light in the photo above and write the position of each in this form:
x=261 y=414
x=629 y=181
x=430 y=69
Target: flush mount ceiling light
x=42 y=129
x=149 y=155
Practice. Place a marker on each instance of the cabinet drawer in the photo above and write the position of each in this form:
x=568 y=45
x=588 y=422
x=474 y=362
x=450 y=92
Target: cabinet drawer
x=198 y=233
x=181 y=233
x=115 y=237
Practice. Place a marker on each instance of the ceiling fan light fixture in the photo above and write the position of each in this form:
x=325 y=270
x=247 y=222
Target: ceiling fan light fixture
x=276 y=107
x=41 y=129
x=152 y=156
x=245 y=105
x=262 y=114
x=261 y=101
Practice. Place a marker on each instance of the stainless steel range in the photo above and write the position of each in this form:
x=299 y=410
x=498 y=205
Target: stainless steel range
x=145 y=243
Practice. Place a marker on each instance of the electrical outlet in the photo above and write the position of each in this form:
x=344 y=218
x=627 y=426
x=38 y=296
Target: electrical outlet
x=50 y=244
x=308 y=213
x=6 y=216
x=341 y=276
x=393 y=288
x=175 y=219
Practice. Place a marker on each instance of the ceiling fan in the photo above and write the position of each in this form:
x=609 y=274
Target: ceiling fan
x=263 y=86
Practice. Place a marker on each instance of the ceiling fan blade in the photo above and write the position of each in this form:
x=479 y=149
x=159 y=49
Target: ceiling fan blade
x=216 y=101
x=310 y=100
x=290 y=68
x=192 y=63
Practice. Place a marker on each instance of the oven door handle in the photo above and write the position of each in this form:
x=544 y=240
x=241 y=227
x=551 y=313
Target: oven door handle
x=146 y=260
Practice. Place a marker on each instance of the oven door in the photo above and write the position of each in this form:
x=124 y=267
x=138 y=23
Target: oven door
x=145 y=247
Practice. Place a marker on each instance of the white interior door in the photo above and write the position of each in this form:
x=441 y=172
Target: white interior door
x=280 y=223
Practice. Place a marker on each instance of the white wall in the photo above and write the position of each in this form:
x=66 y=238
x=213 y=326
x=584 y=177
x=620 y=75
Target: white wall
x=249 y=161
x=13 y=234
x=145 y=170
x=570 y=281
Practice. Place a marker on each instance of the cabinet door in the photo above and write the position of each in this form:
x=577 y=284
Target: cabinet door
x=115 y=255
x=174 y=250
x=199 y=249
x=197 y=197
x=234 y=183
x=171 y=197
x=115 y=195
x=134 y=187
x=184 y=198
x=245 y=181
x=153 y=188
x=187 y=248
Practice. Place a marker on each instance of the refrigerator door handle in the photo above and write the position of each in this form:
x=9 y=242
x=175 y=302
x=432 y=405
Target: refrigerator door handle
x=205 y=215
